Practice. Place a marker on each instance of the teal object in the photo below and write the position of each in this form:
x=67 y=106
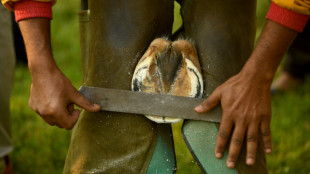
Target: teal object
x=163 y=160
x=200 y=138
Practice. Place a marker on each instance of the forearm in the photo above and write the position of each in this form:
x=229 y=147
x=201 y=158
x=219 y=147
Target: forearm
x=36 y=34
x=268 y=53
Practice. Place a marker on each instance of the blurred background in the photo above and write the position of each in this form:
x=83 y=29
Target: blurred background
x=40 y=148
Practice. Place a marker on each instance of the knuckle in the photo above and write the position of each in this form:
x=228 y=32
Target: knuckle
x=242 y=121
x=265 y=118
x=251 y=138
x=256 y=118
x=66 y=125
x=220 y=148
x=207 y=102
x=265 y=114
x=233 y=156
x=224 y=135
x=232 y=111
x=267 y=142
x=83 y=102
x=67 y=128
x=226 y=119
x=237 y=141
x=50 y=123
x=52 y=109
x=266 y=133
x=30 y=104
x=251 y=154
x=46 y=112
x=33 y=107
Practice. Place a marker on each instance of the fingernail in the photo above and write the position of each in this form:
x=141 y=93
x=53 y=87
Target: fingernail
x=96 y=106
x=231 y=164
x=199 y=108
x=250 y=161
x=218 y=155
x=268 y=151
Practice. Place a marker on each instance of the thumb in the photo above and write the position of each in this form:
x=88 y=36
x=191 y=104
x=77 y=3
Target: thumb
x=209 y=103
x=84 y=103
x=68 y=120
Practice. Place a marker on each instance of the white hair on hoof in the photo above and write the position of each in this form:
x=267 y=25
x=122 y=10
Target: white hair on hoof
x=169 y=68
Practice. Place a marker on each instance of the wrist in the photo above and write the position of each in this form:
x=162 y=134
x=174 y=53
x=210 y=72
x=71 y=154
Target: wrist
x=257 y=73
x=42 y=65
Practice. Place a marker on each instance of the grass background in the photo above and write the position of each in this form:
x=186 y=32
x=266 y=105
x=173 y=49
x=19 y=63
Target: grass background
x=40 y=148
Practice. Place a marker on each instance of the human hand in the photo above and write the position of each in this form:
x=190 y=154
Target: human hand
x=246 y=106
x=245 y=97
x=53 y=97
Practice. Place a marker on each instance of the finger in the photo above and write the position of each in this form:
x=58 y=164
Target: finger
x=223 y=137
x=58 y=125
x=53 y=123
x=266 y=135
x=251 y=140
x=49 y=120
x=235 y=145
x=68 y=120
x=70 y=107
x=209 y=103
x=84 y=103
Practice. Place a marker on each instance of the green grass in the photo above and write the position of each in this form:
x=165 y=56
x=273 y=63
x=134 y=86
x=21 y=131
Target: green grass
x=290 y=127
x=40 y=148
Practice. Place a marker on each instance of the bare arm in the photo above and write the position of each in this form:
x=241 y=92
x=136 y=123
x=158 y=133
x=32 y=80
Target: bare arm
x=245 y=97
x=51 y=95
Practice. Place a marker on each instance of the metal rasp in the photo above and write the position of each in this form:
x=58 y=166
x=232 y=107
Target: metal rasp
x=124 y=101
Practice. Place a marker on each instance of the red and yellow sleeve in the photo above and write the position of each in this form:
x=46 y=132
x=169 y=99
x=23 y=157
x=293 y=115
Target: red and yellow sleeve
x=298 y=6
x=10 y=3
x=25 y=9
x=289 y=14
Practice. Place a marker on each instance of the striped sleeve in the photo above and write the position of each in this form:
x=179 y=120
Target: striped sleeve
x=299 y=6
x=10 y=3
x=32 y=9
x=287 y=17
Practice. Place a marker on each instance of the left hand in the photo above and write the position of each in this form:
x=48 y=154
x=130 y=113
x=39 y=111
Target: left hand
x=246 y=105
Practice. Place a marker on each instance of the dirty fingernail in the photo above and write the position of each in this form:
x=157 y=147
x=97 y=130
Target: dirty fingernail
x=199 y=108
x=250 y=161
x=268 y=151
x=218 y=155
x=231 y=164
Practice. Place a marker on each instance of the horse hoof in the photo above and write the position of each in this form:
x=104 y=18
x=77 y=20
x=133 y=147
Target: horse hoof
x=170 y=68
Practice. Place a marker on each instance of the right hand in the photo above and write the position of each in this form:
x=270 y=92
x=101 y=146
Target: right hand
x=52 y=96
